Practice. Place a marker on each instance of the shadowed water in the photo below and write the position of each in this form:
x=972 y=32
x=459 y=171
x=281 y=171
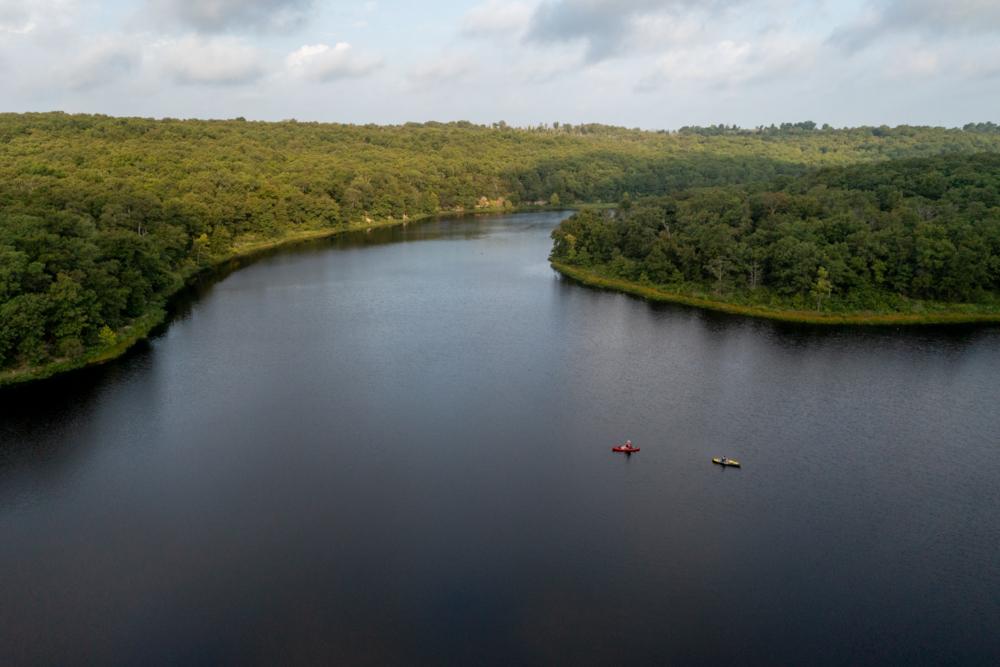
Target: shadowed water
x=394 y=448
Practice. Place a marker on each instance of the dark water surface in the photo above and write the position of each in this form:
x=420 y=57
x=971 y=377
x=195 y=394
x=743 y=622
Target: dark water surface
x=394 y=448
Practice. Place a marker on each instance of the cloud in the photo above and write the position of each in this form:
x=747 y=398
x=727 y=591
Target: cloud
x=607 y=26
x=451 y=67
x=101 y=63
x=654 y=32
x=559 y=62
x=932 y=18
x=218 y=61
x=321 y=62
x=729 y=63
x=497 y=18
x=21 y=17
x=917 y=64
x=15 y=18
x=221 y=15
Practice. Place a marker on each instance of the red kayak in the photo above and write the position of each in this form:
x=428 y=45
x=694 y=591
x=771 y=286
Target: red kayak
x=625 y=449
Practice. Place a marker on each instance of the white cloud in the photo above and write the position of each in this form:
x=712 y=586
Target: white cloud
x=653 y=32
x=934 y=19
x=607 y=27
x=559 y=61
x=216 y=61
x=940 y=15
x=497 y=18
x=446 y=68
x=15 y=18
x=321 y=62
x=914 y=63
x=21 y=17
x=697 y=61
x=103 y=61
x=733 y=62
x=221 y=15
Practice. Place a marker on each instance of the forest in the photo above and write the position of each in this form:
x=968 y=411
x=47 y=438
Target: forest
x=898 y=236
x=103 y=218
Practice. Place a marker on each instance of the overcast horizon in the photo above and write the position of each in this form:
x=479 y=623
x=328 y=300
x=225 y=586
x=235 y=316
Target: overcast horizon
x=655 y=64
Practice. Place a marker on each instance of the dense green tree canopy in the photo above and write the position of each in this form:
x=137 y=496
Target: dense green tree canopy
x=871 y=237
x=101 y=218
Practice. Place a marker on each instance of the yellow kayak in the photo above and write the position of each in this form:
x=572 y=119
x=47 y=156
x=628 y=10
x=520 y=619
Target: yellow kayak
x=723 y=461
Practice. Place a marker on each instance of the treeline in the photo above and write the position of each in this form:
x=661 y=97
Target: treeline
x=101 y=217
x=862 y=238
x=785 y=129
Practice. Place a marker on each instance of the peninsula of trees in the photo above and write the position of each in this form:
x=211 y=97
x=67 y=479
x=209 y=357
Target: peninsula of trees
x=102 y=219
x=914 y=240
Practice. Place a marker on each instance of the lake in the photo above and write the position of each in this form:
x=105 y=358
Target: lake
x=394 y=448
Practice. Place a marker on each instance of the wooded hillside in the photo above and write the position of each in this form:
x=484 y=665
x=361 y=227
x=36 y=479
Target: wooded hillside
x=101 y=218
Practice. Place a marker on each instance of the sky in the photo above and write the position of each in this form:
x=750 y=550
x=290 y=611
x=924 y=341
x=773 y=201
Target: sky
x=654 y=64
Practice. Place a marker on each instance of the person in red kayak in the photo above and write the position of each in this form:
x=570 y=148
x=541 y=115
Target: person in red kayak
x=628 y=444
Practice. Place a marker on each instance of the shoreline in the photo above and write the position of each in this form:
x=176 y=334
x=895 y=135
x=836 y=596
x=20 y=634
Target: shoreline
x=655 y=294
x=144 y=325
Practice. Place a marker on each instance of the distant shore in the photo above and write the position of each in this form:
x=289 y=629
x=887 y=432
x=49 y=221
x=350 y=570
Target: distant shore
x=651 y=293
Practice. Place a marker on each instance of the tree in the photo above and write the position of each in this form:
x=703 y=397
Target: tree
x=554 y=199
x=200 y=246
x=22 y=328
x=822 y=288
x=659 y=264
x=107 y=336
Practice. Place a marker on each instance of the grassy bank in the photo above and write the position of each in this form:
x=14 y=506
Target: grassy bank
x=958 y=314
x=141 y=327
